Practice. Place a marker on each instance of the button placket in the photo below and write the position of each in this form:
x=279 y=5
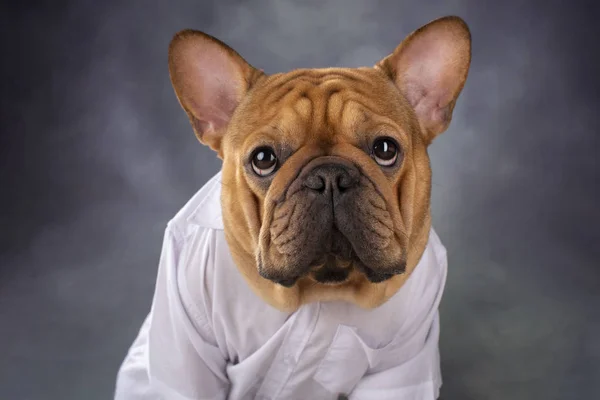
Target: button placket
x=344 y=363
x=277 y=377
x=298 y=340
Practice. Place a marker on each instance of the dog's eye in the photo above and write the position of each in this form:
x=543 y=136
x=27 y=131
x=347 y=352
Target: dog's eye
x=264 y=161
x=385 y=152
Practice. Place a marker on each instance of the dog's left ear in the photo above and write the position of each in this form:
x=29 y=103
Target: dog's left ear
x=210 y=79
x=430 y=68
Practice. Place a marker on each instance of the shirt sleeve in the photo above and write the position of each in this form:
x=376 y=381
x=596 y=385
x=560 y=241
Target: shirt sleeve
x=175 y=355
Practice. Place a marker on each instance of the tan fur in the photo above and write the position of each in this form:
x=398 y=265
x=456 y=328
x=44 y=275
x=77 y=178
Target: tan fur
x=325 y=112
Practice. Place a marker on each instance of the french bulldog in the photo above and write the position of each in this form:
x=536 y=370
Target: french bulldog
x=326 y=179
x=307 y=268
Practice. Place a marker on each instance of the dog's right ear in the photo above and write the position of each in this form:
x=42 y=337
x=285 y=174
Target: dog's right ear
x=430 y=68
x=210 y=79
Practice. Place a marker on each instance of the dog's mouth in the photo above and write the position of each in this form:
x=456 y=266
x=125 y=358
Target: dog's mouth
x=337 y=261
x=334 y=271
x=336 y=266
x=333 y=266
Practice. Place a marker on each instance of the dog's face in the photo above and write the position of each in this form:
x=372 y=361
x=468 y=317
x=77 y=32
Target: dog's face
x=326 y=177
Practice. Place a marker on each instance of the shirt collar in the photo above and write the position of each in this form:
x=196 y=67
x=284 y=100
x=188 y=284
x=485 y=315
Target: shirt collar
x=208 y=213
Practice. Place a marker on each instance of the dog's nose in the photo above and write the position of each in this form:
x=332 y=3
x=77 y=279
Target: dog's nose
x=331 y=178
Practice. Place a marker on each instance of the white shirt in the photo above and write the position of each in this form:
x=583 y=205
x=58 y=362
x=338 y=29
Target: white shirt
x=208 y=336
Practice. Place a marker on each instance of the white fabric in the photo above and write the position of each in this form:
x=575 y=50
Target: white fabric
x=208 y=336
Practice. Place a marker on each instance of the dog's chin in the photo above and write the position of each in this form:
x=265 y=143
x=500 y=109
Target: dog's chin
x=334 y=272
x=337 y=265
x=337 y=272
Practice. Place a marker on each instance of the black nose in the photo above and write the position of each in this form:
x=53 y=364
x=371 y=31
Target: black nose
x=331 y=178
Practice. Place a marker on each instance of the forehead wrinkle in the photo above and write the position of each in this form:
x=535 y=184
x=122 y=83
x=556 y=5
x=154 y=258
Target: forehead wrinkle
x=351 y=116
x=327 y=94
x=293 y=122
x=304 y=107
x=322 y=103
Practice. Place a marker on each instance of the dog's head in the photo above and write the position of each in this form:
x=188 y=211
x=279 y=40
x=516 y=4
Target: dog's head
x=326 y=177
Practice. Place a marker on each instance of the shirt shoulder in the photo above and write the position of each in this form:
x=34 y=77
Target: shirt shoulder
x=188 y=257
x=202 y=210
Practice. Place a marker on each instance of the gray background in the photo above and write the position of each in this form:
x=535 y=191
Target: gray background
x=96 y=156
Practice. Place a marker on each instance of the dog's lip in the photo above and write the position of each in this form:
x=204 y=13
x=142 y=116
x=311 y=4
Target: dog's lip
x=379 y=276
x=339 y=262
x=288 y=283
x=331 y=272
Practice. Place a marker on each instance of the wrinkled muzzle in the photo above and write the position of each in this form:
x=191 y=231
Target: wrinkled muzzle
x=332 y=219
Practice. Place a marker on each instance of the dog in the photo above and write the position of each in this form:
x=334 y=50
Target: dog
x=307 y=268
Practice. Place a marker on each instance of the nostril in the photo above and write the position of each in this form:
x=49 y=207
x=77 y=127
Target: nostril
x=344 y=181
x=331 y=177
x=316 y=183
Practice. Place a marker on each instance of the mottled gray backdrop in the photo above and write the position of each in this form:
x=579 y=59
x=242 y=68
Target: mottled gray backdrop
x=96 y=156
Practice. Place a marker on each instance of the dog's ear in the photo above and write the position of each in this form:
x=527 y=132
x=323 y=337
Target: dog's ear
x=210 y=79
x=430 y=68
